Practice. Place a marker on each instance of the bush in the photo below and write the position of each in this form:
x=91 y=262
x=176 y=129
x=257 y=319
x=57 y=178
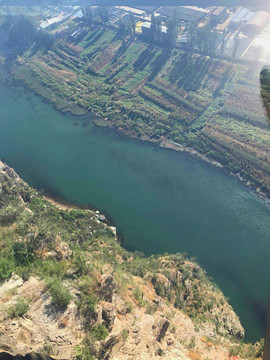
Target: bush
x=125 y=334
x=85 y=351
x=87 y=305
x=18 y=309
x=138 y=295
x=23 y=253
x=60 y=294
x=47 y=349
x=9 y=214
x=24 y=272
x=100 y=332
x=52 y=268
x=129 y=308
x=259 y=348
x=6 y=268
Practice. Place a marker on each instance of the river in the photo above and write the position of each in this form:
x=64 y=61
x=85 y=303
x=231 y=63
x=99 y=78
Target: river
x=161 y=200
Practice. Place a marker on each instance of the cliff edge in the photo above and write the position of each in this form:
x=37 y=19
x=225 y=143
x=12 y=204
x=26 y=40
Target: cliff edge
x=69 y=290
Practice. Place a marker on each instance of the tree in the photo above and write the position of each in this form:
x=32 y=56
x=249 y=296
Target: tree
x=236 y=44
x=153 y=27
x=214 y=41
x=88 y=13
x=158 y=30
x=122 y=26
x=132 y=23
x=23 y=32
x=191 y=35
x=104 y=14
x=223 y=44
x=172 y=30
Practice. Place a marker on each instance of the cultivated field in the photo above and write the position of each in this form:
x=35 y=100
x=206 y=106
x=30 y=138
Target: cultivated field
x=210 y=104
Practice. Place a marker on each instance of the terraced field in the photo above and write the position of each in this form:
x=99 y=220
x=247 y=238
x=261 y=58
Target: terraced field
x=210 y=104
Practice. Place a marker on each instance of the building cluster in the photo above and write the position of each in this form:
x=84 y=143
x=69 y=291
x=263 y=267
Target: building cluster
x=224 y=23
x=62 y=16
x=218 y=18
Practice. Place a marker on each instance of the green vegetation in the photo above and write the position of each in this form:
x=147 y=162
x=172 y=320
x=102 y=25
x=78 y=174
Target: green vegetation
x=19 y=309
x=195 y=100
x=69 y=249
x=265 y=90
x=125 y=335
x=47 y=349
x=100 y=332
x=84 y=351
x=41 y=229
x=247 y=350
x=60 y=294
x=198 y=101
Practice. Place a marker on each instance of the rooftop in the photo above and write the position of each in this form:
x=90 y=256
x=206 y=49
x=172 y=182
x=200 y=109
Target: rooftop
x=184 y=13
x=242 y=14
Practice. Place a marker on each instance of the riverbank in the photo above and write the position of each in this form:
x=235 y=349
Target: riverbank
x=205 y=120
x=61 y=204
x=64 y=107
x=161 y=200
x=171 y=145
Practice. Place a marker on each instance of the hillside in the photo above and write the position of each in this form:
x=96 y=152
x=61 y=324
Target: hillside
x=207 y=103
x=69 y=289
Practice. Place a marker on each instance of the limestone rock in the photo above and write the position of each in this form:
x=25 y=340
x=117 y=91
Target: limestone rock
x=120 y=305
x=14 y=282
x=107 y=287
x=108 y=314
x=162 y=326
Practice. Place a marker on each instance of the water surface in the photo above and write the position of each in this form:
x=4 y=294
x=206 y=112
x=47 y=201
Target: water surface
x=161 y=200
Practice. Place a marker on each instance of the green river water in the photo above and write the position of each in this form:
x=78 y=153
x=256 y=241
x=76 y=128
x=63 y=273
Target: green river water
x=162 y=201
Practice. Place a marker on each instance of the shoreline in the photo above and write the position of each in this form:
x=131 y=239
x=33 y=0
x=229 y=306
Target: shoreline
x=162 y=143
x=171 y=145
x=62 y=204
x=57 y=199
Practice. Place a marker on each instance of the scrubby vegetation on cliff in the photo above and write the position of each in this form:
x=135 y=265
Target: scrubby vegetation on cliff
x=79 y=272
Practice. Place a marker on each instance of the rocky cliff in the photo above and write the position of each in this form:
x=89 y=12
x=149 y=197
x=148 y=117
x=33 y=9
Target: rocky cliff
x=70 y=291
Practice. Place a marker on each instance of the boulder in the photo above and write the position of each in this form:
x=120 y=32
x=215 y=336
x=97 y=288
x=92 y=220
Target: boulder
x=24 y=335
x=107 y=287
x=63 y=250
x=162 y=327
x=120 y=305
x=108 y=314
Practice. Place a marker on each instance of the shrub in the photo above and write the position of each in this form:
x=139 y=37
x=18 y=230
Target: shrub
x=129 y=308
x=23 y=253
x=191 y=343
x=47 y=349
x=125 y=334
x=9 y=214
x=138 y=295
x=18 y=309
x=52 y=268
x=85 y=351
x=6 y=267
x=24 y=272
x=80 y=263
x=60 y=294
x=100 y=332
x=87 y=305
